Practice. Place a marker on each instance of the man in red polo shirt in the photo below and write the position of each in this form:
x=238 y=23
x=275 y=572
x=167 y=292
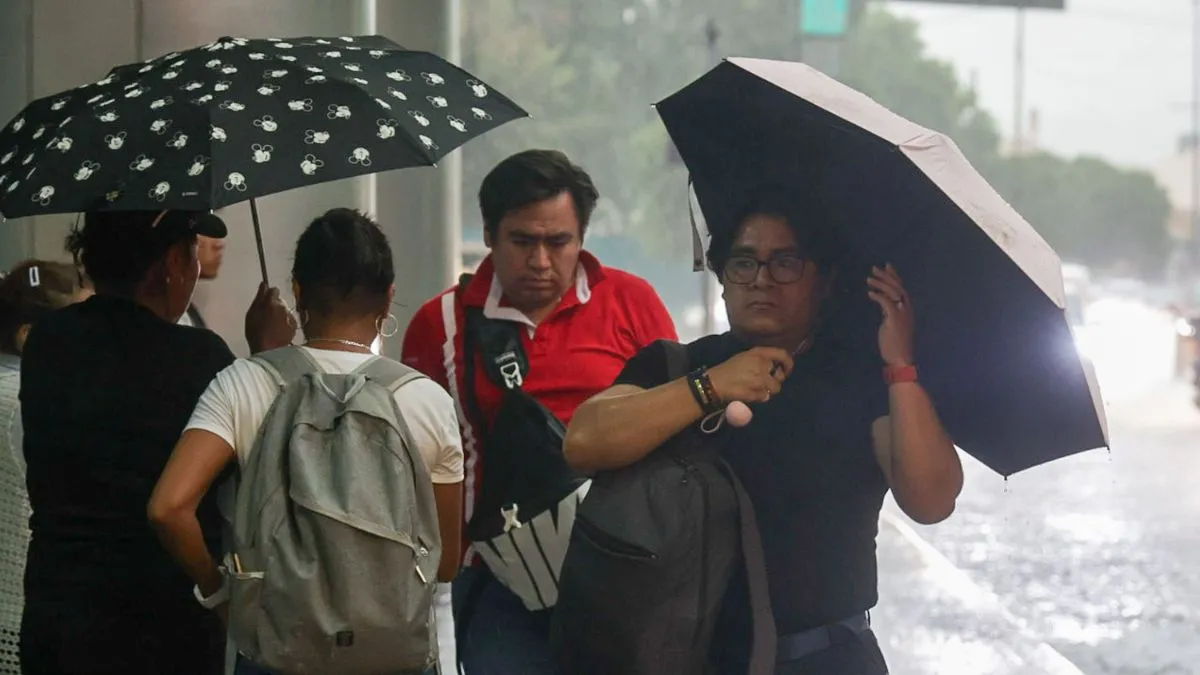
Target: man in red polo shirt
x=579 y=322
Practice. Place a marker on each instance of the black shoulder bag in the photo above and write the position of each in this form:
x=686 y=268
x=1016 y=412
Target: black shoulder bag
x=521 y=523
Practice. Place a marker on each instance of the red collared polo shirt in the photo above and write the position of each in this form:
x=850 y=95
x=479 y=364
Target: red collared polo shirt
x=576 y=352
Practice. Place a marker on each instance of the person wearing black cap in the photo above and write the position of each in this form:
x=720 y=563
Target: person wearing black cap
x=108 y=386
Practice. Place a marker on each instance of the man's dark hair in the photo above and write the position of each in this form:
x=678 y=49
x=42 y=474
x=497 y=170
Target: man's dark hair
x=532 y=176
x=33 y=289
x=117 y=248
x=343 y=265
x=807 y=216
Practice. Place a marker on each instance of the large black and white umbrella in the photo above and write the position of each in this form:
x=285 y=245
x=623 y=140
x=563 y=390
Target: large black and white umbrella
x=238 y=119
x=993 y=338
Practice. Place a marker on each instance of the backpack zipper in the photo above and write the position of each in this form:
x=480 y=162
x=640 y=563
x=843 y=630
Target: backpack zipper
x=422 y=552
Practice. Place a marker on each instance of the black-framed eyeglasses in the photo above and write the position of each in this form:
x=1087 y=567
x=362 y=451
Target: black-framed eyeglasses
x=784 y=269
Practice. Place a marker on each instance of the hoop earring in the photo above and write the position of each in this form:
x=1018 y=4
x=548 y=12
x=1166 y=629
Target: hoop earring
x=392 y=329
x=302 y=317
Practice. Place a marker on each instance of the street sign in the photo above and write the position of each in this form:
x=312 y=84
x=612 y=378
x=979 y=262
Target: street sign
x=824 y=18
x=1031 y=4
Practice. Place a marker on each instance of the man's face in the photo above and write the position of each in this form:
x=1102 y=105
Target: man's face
x=211 y=252
x=774 y=311
x=535 y=252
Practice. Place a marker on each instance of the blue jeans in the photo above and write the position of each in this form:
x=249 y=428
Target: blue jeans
x=501 y=636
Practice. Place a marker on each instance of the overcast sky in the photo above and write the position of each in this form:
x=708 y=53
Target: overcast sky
x=1108 y=77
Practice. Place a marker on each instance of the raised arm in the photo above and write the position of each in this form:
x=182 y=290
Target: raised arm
x=612 y=429
x=623 y=424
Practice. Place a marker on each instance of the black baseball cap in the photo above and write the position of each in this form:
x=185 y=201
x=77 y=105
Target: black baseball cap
x=203 y=223
x=167 y=224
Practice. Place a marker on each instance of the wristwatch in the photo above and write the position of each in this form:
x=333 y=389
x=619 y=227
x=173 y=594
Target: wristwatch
x=216 y=599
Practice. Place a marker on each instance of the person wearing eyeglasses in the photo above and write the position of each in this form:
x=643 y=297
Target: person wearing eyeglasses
x=830 y=433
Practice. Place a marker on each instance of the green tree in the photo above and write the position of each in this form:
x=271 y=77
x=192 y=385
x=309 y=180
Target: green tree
x=885 y=59
x=589 y=70
x=1090 y=210
x=1086 y=208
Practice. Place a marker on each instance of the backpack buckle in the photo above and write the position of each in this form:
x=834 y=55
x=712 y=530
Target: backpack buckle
x=511 y=520
x=510 y=369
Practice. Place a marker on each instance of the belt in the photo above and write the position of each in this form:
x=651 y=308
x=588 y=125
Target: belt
x=795 y=646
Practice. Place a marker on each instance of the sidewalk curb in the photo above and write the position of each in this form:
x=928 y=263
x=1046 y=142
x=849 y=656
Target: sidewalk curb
x=1046 y=658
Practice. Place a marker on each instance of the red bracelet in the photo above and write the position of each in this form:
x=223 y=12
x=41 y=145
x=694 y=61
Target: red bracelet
x=899 y=374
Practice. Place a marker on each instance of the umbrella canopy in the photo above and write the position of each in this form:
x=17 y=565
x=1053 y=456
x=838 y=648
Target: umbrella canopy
x=996 y=351
x=238 y=119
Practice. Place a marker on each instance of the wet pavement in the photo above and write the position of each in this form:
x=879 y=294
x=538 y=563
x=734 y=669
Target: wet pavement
x=1093 y=560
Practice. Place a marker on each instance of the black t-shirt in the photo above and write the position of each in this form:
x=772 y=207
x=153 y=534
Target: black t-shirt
x=806 y=460
x=106 y=390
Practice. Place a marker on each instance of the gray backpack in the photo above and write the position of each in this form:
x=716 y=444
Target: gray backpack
x=335 y=533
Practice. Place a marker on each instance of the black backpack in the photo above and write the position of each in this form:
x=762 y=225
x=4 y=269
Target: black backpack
x=653 y=551
x=528 y=499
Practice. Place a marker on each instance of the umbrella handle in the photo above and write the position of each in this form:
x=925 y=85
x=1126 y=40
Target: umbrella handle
x=258 y=239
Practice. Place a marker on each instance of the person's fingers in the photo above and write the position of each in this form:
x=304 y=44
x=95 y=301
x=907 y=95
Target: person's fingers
x=885 y=303
x=887 y=286
x=780 y=362
x=774 y=386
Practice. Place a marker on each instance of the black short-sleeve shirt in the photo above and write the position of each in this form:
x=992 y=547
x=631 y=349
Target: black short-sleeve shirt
x=807 y=462
x=106 y=390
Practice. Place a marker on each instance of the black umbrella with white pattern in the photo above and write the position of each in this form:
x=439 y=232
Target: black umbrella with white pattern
x=238 y=119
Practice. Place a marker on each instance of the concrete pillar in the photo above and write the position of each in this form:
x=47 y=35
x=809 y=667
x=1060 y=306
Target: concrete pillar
x=15 y=236
x=419 y=208
x=101 y=34
x=170 y=25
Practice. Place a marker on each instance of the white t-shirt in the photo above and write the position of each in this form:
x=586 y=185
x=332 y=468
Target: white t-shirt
x=236 y=402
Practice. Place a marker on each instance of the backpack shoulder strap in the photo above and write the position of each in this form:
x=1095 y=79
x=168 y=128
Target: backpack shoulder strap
x=499 y=343
x=286 y=364
x=764 y=643
x=677 y=360
x=391 y=375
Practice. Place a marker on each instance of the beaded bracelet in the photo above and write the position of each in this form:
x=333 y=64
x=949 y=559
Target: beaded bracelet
x=702 y=390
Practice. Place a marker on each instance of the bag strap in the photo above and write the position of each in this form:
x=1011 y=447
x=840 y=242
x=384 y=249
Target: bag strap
x=499 y=343
x=764 y=642
x=391 y=375
x=286 y=364
x=474 y=412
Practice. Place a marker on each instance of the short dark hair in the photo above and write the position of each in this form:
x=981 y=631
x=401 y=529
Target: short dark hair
x=33 y=289
x=117 y=248
x=343 y=265
x=808 y=217
x=532 y=176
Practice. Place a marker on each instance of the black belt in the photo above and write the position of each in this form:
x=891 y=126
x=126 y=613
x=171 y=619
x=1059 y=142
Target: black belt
x=796 y=646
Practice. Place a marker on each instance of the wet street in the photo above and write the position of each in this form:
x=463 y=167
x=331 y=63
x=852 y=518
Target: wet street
x=1087 y=565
